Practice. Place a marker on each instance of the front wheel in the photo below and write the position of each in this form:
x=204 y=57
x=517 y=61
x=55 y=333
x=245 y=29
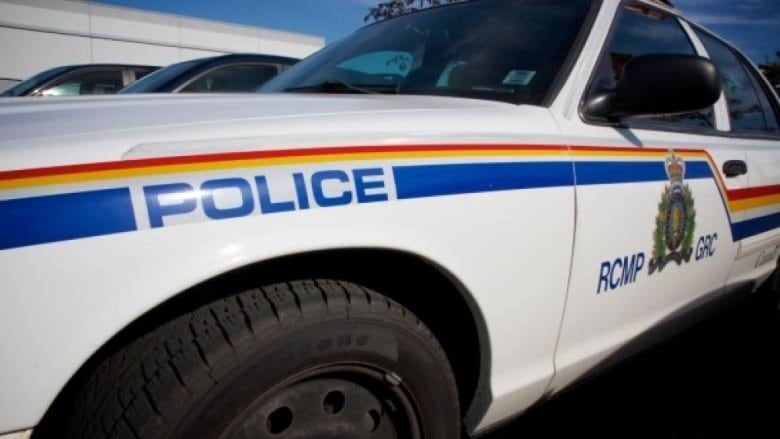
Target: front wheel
x=307 y=359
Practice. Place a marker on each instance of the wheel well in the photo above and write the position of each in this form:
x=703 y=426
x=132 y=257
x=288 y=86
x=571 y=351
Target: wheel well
x=423 y=287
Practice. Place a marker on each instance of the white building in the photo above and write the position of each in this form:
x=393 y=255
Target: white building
x=39 y=34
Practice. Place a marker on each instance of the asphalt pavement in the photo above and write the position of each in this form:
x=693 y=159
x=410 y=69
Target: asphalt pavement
x=719 y=379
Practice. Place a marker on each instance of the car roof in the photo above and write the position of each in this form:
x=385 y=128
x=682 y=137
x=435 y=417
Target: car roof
x=107 y=65
x=238 y=57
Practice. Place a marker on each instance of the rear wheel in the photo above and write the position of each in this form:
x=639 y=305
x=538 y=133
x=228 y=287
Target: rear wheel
x=307 y=359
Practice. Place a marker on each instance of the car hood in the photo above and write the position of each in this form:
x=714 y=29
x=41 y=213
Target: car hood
x=36 y=132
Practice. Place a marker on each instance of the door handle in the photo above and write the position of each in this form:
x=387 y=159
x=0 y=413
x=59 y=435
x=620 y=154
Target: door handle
x=733 y=168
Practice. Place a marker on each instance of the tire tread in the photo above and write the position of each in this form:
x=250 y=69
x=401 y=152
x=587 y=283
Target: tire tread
x=139 y=390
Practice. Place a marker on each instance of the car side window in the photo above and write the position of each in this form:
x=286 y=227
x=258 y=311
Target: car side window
x=767 y=99
x=89 y=83
x=745 y=109
x=232 y=79
x=641 y=30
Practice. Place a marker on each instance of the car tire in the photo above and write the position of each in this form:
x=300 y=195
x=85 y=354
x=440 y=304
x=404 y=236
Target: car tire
x=313 y=358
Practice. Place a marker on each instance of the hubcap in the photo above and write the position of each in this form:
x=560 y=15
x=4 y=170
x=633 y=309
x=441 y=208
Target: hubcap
x=345 y=402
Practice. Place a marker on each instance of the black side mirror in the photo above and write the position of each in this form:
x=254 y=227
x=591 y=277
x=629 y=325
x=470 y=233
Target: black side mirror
x=658 y=84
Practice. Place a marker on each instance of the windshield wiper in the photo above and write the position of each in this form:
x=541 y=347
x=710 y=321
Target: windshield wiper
x=339 y=86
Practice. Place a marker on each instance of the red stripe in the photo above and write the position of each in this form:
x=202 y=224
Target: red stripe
x=634 y=149
x=753 y=192
x=306 y=152
x=251 y=155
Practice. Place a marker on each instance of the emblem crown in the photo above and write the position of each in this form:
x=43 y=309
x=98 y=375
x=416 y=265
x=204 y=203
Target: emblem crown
x=675 y=167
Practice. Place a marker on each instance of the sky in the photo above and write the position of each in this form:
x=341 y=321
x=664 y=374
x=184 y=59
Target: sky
x=332 y=19
x=751 y=25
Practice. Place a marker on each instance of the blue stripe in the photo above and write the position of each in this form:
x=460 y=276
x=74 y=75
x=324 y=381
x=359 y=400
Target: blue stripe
x=633 y=172
x=436 y=180
x=51 y=218
x=755 y=226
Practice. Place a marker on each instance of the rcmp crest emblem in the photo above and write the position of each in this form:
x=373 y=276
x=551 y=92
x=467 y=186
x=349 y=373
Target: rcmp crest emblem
x=676 y=219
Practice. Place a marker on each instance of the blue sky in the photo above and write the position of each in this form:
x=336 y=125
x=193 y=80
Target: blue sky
x=332 y=19
x=752 y=25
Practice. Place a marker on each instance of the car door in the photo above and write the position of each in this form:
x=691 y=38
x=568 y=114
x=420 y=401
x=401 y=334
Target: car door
x=653 y=236
x=754 y=126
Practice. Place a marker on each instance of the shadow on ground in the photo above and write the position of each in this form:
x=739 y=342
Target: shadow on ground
x=720 y=379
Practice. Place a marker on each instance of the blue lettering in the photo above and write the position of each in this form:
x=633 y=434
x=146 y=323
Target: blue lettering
x=320 y=198
x=612 y=283
x=705 y=246
x=620 y=272
x=361 y=185
x=604 y=277
x=640 y=263
x=628 y=270
x=266 y=205
x=210 y=208
x=324 y=188
x=300 y=191
x=186 y=202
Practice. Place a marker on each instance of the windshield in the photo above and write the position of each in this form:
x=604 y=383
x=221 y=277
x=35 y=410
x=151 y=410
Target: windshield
x=500 y=50
x=31 y=84
x=152 y=82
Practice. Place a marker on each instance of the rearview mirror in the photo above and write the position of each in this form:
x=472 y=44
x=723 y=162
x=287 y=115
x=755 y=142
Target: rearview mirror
x=658 y=84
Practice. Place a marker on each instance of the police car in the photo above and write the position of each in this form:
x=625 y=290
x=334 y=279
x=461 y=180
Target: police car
x=423 y=229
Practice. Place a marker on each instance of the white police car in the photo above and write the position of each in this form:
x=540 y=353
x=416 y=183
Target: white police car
x=436 y=223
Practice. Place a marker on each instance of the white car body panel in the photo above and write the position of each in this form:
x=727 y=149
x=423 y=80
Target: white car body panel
x=597 y=328
x=145 y=268
x=62 y=298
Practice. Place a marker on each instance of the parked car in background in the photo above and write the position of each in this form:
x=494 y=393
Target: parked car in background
x=82 y=79
x=235 y=73
x=6 y=83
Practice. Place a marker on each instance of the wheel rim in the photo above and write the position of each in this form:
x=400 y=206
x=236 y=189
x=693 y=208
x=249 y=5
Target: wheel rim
x=337 y=401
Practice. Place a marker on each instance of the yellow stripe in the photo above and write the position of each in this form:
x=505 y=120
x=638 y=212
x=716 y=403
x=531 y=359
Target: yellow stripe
x=639 y=153
x=753 y=203
x=143 y=171
x=253 y=163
